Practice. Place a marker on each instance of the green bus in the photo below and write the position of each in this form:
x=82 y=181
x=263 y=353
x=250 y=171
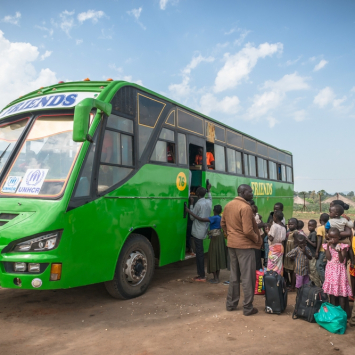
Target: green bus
x=94 y=176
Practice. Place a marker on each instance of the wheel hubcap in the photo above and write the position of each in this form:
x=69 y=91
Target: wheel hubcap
x=136 y=268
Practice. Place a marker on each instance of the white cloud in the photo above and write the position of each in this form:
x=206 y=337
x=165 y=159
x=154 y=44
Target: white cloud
x=181 y=90
x=136 y=13
x=288 y=82
x=228 y=105
x=292 y=62
x=352 y=89
x=272 y=121
x=46 y=55
x=78 y=41
x=320 y=65
x=113 y=67
x=338 y=102
x=129 y=78
x=14 y=20
x=239 y=65
x=67 y=21
x=242 y=36
x=163 y=3
x=232 y=30
x=46 y=29
x=264 y=103
x=18 y=75
x=90 y=15
x=276 y=93
x=312 y=59
x=324 y=97
x=300 y=115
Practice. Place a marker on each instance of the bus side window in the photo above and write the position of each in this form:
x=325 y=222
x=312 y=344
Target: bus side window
x=164 y=150
x=116 y=160
x=246 y=164
x=272 y=170
x=279 y=177
x=85 y=177
x=220 y=160
x=182 y=148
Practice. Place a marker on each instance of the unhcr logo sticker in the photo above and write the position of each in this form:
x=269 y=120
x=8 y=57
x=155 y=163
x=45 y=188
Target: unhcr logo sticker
x=261 y=188
x=32 y=182
x=11 y=184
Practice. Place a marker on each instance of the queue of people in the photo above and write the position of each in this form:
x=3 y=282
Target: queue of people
x=320 y=256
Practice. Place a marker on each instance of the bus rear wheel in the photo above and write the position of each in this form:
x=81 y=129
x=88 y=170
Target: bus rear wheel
x=134 y=270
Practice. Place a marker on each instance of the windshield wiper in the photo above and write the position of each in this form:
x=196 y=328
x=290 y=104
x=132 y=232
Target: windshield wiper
x=4 y=152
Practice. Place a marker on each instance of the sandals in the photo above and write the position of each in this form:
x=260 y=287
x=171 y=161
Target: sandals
x=199 y=279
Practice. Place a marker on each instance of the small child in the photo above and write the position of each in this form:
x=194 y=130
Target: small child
x=320 y=253
x=300 y=225
x=336 y=220
x=302 y=255
x=259 y=222
x=289 y=264
x=217 y=258
x=312 y=245
x=277 y=207
x=276 y=236
x=336 y=283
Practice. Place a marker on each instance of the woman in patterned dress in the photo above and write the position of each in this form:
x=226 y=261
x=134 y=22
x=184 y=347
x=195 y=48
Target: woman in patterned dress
x=336 y=283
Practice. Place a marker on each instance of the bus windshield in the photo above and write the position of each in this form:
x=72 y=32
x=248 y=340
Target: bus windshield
x=45 y=160
x=9 y=135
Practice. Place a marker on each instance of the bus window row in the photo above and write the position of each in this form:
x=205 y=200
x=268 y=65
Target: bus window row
x=218 y=158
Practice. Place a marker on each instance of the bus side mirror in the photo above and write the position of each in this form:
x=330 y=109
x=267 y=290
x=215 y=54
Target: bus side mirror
x=82 y=117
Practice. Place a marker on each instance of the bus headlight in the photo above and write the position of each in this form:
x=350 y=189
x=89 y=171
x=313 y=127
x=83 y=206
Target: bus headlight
x=44 y=242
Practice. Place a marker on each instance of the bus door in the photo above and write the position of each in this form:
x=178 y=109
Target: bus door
x=197 y=160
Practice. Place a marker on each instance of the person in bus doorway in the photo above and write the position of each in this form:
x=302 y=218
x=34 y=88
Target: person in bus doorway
x=209 y=159
x=217 y=257
x=238 y=223
x=202 y=209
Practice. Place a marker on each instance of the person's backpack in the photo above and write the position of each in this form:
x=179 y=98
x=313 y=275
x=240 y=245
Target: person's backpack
x=308 y=302
x=275 y=292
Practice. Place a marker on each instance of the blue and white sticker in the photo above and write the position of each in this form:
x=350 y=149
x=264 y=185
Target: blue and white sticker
x=11 y=184
x=32 y=182
x=63 y=100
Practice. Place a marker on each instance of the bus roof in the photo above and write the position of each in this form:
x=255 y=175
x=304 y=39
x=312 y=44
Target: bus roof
x=107 y=90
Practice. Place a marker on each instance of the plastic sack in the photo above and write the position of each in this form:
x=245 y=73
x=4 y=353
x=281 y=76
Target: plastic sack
x=332 y=318
x=259 y=283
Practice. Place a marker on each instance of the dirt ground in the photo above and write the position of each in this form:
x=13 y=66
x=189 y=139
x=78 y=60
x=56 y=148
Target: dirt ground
x=175 y=316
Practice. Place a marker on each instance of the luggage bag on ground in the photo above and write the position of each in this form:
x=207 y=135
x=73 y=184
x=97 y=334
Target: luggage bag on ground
x=308 y=302
x=275 y=292
x=259 y=283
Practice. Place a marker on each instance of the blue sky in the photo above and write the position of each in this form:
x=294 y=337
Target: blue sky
x=281 y=71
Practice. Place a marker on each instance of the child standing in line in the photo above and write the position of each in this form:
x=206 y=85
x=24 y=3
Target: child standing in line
x=217 y=258
x=276 y=236
x=289 y=264
x=259 y=222
x=300 y=225
x=336 y=283
x=320 y=253
x=312 y=245
x=302 y=254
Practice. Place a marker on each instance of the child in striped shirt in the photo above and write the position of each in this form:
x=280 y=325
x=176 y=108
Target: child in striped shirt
x=302 y=254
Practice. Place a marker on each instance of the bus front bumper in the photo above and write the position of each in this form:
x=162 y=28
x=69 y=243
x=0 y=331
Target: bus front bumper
x=47 y=277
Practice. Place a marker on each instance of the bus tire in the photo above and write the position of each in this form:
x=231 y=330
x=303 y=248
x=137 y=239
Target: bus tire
x=134 y=269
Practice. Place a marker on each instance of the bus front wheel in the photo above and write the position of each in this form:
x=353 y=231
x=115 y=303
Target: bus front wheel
x=134 y=270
